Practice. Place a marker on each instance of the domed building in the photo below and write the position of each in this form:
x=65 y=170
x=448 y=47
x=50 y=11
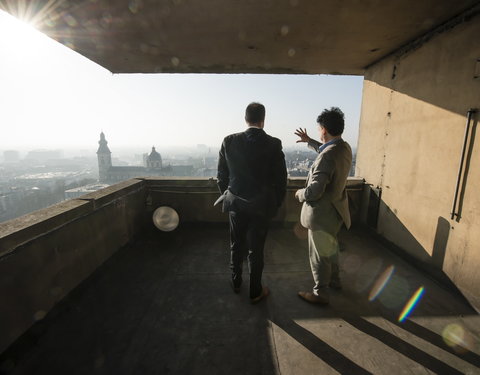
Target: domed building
x=154 y=160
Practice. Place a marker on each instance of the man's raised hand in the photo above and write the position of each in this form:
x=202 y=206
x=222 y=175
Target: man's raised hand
x=302 y=133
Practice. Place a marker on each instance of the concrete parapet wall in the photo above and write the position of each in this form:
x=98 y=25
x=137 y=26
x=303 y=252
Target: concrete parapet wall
x=45 y=254
x=193 y=199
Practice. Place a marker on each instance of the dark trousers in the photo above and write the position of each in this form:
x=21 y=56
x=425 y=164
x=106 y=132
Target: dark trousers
x=247 y=233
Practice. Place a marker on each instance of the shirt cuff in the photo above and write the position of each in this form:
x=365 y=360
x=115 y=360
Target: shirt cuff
x=301 y=195
x=314 y=145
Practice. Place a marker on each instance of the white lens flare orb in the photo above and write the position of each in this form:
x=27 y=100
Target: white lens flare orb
x=457 y=337
x=165 y=218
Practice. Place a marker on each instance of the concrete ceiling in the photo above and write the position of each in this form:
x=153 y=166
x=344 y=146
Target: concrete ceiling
x=235 y=36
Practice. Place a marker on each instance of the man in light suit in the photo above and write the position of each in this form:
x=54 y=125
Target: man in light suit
x=252 y=177
x=325 y=202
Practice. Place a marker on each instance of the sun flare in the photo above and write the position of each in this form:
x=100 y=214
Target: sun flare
x=17 y=34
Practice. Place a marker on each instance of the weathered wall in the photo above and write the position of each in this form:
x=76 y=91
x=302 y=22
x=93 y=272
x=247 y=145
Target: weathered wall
x=411 y=135
x=44 y=255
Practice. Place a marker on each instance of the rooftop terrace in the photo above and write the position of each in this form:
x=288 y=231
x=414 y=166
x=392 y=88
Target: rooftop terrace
x=162 y=302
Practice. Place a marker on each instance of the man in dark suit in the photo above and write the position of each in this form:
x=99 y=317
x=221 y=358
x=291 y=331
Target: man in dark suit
x=252 y=176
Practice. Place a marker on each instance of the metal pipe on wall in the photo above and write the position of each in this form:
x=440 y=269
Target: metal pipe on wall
x=470 y=114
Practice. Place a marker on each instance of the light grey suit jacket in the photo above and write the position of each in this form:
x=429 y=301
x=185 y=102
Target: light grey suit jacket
x=325 y=201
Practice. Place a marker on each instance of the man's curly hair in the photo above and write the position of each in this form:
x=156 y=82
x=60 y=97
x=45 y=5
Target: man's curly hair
x=333 y=120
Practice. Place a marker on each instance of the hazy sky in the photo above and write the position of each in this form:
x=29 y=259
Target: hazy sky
x=52 y=97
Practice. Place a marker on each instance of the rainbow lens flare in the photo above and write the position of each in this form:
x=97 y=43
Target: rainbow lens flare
x=411 y=304
x=381 y=281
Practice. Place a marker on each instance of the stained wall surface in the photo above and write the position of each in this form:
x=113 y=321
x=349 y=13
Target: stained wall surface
x=412 y=127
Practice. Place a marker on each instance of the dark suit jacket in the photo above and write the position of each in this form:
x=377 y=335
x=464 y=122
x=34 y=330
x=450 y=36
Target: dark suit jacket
x=251 y=166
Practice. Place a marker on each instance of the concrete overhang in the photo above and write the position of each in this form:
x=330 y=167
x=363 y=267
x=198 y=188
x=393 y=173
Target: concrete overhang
x=235 y=36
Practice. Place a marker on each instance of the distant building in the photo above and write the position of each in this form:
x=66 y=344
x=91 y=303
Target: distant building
x=104 y=157
x=79 y=191
x=153 y=166
x=11 y=156
x=180 y=170
x=44 y=155
x=206 y=172
x=154 y=160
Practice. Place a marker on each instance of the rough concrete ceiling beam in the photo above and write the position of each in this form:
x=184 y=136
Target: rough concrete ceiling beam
x=231 y=36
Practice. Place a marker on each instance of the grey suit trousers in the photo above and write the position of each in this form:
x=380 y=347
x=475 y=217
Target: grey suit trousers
x=323 y=253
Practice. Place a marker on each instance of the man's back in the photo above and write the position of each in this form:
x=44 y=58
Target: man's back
x=325 y=188
x=251 y=164
x=339 y=155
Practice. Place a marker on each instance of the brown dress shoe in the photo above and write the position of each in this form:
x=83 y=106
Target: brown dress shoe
x=265 y=293
x=312 y=298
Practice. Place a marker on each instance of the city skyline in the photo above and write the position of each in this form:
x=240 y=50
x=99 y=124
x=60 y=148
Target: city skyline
x=55 y=98
x=43 y=178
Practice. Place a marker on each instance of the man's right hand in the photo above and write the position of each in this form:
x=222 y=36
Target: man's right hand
x=302 y=133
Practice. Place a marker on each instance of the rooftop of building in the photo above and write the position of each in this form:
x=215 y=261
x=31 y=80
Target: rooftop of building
x=87 y=188
x=128 y=168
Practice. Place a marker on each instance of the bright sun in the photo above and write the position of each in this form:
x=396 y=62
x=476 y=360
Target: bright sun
x=18 y=36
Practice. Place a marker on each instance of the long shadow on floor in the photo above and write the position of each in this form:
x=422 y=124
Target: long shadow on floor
x=321 y=349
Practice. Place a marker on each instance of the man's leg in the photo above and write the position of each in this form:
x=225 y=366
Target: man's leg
x=256 y=236
x=335 y=282
x=323 y=253
x=238 y=230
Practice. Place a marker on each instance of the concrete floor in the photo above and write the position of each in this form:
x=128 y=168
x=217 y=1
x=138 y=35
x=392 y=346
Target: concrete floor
x=164 y=306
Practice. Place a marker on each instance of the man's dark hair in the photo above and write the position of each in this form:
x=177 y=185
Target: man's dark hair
x=255 y=113
x=333 y=120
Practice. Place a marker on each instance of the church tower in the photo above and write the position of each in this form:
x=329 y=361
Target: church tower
x=104 y=158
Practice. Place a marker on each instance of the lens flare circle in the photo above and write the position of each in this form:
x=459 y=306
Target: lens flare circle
x=396 y=292
x=381 y=281
x=165 y=218
x=352 y=263
x=327 y=243
x=458 y=338
x=367 y=273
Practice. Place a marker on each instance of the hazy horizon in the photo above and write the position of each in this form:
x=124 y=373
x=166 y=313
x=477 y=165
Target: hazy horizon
x=54 y=98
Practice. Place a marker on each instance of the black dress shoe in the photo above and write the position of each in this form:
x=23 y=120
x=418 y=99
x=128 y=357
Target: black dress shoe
x=236 y=289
